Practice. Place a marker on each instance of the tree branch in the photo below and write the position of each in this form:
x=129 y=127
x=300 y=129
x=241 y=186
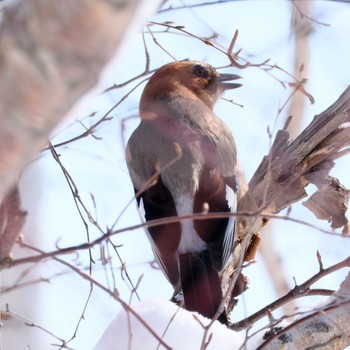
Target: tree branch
x=283 y=174
x=298 y=291
x=291 y=165
x=327 y=328
x=12 y=219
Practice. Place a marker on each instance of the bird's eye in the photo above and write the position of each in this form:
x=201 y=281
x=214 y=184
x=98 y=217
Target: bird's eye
x=200 y=71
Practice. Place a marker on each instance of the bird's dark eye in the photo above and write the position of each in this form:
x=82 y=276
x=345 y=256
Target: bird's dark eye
x=200 y=71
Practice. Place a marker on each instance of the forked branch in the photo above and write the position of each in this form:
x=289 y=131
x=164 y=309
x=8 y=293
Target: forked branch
x=283 y=174
x=291 y=165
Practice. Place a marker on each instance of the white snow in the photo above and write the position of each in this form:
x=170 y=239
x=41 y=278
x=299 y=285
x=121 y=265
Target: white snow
x=184 y=331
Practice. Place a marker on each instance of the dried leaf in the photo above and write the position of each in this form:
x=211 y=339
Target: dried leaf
x=329 y=202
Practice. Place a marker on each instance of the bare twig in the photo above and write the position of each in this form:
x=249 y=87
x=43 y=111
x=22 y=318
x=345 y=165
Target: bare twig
x=309 y=158
x=12 y=219
x=281 y=178
x=91 y=130
x=30 y=323
x=76 y=197
x=153 y=223
x=159 y=45
x=82 y=208
x=302 y=14
x=201 y=4
x=298 y=291
x=82 y=316
x=232 y=58
x=114 y=294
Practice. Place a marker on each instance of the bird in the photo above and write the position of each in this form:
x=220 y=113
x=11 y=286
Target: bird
x=182 y=161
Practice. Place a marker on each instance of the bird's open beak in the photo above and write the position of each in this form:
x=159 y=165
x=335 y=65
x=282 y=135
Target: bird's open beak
x=227 y=77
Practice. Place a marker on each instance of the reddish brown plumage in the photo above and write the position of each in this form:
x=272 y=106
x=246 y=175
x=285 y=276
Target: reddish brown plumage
x=176 y=111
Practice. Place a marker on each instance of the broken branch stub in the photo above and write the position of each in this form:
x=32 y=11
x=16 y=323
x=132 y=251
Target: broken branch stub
x=291 y=165
x=282 y=176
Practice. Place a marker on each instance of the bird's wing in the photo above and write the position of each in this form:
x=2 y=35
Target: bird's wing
x=164 y=238
x=231 y=197
x=217 y=183
x=213 y=151
x=155 y=201
x=216 y=194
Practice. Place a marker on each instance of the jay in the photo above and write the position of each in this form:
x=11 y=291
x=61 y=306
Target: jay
x=182 y=161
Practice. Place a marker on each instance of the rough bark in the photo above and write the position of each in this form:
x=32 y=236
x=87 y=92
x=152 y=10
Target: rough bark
x=291 y=165
x=282 y=176
x=326 y=328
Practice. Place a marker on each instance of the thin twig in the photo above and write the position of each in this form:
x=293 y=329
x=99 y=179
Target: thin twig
x=298 y=291
x=81 y=207
x=82 y=316
x=113 y=294
x=153 y=223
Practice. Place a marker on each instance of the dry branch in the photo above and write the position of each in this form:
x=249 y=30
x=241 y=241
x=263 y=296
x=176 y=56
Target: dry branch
x=291 y=165
x=282 y=176
x=298 y=291
x=279 y=181
x=301 y=28
x=326 y=328
x=269 y=194
x=51 y=53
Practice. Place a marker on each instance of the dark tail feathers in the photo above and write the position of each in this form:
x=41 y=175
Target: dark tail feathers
x=201 y=285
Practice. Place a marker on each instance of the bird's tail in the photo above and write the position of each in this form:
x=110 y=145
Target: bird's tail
x=201 y=285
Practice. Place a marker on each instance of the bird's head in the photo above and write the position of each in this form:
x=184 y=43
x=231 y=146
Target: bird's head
x=188 y=79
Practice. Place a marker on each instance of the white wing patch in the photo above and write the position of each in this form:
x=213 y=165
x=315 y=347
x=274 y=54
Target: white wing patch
x=190 y=241
x=231 y=197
